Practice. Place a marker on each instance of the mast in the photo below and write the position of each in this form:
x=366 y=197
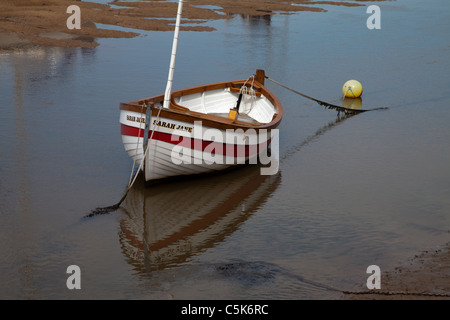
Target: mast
x=172 y=58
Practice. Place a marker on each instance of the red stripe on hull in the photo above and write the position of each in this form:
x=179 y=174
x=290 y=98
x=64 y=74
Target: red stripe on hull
x=196 y=144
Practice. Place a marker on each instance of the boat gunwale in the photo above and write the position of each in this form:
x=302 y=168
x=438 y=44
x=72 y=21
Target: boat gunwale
x=181 y=113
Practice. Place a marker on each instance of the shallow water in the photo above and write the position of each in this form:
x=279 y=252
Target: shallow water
x=351 y=192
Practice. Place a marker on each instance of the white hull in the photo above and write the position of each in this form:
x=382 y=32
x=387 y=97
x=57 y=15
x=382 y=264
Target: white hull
x=169 y=155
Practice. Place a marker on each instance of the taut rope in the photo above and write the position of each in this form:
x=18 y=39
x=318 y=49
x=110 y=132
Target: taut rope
x=326 y=104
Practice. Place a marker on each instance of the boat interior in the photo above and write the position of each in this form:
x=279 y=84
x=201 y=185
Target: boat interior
x=253 y=108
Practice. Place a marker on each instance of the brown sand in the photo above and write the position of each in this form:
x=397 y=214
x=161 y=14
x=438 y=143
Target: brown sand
x=43 y=22
x=426 y=276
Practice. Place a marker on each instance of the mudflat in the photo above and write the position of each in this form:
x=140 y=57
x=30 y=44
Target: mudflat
x=44 y=22
x=422 y=277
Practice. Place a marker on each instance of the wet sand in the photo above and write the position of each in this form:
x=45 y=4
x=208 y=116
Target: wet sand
x=43 y=22
x=423 y=277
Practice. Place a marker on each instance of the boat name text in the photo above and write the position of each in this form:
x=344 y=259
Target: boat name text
x=173 y=126
x=163 y=124
x=135 y=119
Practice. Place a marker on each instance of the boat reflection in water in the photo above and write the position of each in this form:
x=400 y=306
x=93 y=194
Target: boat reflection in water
x=168 y=222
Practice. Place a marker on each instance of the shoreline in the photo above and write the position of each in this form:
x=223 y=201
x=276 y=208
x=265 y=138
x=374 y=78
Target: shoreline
x=44 y=22
x=423 y=277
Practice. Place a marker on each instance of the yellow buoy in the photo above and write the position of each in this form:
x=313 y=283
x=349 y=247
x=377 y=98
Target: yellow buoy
x=352 y=89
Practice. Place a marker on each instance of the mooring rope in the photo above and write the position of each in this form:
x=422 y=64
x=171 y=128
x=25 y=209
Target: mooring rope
x=250 y=91
x=398 y=293
x=137 y=147
x=133 y=176
x=109 y=209
x=380 y=292
x=384 y=293
x=326 y=104
x=377 y=291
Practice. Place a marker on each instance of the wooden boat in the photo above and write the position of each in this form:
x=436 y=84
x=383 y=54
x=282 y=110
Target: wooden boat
x=195 y=133
x=201 y=129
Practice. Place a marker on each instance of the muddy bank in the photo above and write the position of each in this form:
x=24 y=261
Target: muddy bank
x=423 y=277
x=43 y=22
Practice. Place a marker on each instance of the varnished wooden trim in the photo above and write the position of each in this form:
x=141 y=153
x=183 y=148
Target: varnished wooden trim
x=181 y=113
x=238 y=90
